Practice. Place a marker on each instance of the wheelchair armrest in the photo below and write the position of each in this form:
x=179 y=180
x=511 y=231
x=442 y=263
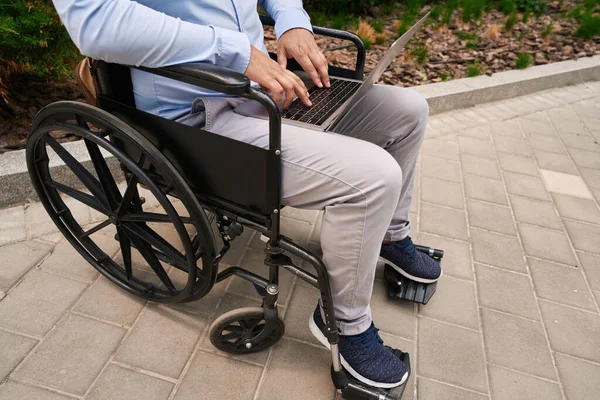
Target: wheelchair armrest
x=208 y=76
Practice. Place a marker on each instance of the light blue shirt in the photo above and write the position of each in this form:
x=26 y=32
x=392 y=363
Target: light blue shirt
x=156 y=33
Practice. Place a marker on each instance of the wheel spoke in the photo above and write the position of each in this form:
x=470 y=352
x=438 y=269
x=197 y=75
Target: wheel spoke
x=146 y=251
x=128 y=195
x=153 y=217
x=88 y=180
x=244 y=324
x=149 y=236
x=96 y=228
x=82 y=197
x=229 y=336
x=107 y=181
x=233 y=329
x=125 y=244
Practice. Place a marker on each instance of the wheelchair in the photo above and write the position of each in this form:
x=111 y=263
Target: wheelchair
x=207 y=187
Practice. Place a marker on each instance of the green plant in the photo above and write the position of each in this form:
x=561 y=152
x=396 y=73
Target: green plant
x=466 y=36
x=420 y=53
x=318 y=18
x=378 y=26
x=589 y=26
x=511 y=20
x=547 y=30
x=473 y=69
x=444 y=76
x=451 y=7
x=523 y=61
x=521 y=36
x=380 y=39
x=472 y=9
x=538 y=7
x=526 y=16
x=339 y=21
x=436 y=12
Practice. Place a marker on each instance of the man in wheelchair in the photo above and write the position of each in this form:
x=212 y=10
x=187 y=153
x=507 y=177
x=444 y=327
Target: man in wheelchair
x=362 y=175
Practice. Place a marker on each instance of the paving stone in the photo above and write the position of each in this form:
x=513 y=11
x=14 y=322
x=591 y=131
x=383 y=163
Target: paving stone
x=560 y=284
x=303 y=368
x=591 y=267
x=584 y=236
x=254 y=261
x=478 y=132
x=300 y=310
x=490 y=217
x=480 y=166
x=436 y=390
x=457 y=255
x=506 y=291
x=512 y=145
x=18 y=259
x=392 y=315
x=535 y=212
x=555 y=162
x=107 y=301
x=579 y=378
x=577 y=208
x=238 y=247
x=520 y=164
x=441 y=192
x=452 y=295
x=39 y=223
x=443 y=221
x=572 y=331
x=218 y=378
x=117 y=383
x=517 y=343
x=525 y=185
x=571 y=185
x=591 y=177
x=476 y=147
x=67 y=261
x=512 y=385
x=581 y=142
x=14 y=349
x=204 y=307
x=546 y=143
x=541 y=127
x=571 y=125
x=486 y=189
x=584 y=158
x=150 y=344
x=12 y=225
x=547 y=244
x=499 y=250
x=441 y=149
x=229 y=303
x=66 y=360
x=12 y=390
x=440 y=168
x=38 y=302
x=586 y=109
x=441 y=345
x=507 y=128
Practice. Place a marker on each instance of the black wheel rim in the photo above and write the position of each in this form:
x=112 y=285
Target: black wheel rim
x=121 y=209
x=235 y=335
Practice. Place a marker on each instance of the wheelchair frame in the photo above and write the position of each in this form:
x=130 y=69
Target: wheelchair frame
x=163 y=156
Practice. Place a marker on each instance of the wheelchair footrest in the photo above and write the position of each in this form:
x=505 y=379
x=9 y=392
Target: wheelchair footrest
x=404 y=288
x=357 y=390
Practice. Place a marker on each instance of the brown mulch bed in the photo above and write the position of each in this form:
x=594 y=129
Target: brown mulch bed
x=484 y=44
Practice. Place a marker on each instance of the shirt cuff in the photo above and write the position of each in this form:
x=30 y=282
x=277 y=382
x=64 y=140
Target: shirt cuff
x=233 y=49
x=291 y=18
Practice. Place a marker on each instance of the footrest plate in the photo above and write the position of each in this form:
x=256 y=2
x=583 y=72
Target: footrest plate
x=401 y=287
x=359 y=391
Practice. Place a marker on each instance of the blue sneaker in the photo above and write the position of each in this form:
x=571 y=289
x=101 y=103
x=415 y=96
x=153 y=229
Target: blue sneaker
x=415 y=265
x=364 y=356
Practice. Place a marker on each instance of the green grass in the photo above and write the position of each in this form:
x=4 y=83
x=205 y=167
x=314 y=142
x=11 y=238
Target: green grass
x=521 y=36
x=589 y=26
x=420 y=53
x=380 y=39
x=367 y=43
x=510 y=22
x=472 y=9
x=378 y=26
x=547 y=30
x=444 y=76
x=473 y=69
x=339 y=21
x=467 y=36
x=523 y=61
x=318 y=18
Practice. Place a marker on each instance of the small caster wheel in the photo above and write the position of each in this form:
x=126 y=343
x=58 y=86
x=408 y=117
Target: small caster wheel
x=232 y=332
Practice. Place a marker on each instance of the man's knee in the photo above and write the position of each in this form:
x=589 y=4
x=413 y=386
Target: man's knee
x=417 y=111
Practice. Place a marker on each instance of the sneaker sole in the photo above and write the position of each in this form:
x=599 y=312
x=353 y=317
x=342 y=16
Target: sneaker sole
x=409 y=276
x=314 y=329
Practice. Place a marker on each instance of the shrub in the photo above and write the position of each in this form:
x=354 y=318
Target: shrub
x=473 y=69
x=589 y=26
x=523 y=61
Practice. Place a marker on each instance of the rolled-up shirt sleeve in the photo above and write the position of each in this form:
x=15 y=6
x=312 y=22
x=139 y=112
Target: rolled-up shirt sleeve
x=127 y=32
x=288 y=14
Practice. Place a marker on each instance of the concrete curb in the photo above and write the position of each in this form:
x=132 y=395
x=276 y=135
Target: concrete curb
x=442 y=97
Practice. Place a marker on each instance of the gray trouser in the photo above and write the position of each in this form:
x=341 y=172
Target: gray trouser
x=362 y=177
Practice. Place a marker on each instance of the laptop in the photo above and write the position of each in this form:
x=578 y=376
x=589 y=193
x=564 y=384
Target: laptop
x=331 y=104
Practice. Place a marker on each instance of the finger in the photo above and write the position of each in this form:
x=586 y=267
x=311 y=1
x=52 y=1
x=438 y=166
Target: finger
x=275 y=88
x=301 y=90
x=289 y=93
x=324 y=71
x=282 y=57
x=308 y=66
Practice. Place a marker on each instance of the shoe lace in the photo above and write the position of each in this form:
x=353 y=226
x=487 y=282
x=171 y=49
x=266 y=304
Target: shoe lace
x=409 y=248
x=369 y=338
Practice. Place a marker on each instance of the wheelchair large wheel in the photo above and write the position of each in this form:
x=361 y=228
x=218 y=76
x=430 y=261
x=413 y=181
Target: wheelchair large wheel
x=232 y=332
x=139 y=227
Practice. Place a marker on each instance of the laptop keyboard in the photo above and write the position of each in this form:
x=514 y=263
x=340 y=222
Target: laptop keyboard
x=324 y=102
